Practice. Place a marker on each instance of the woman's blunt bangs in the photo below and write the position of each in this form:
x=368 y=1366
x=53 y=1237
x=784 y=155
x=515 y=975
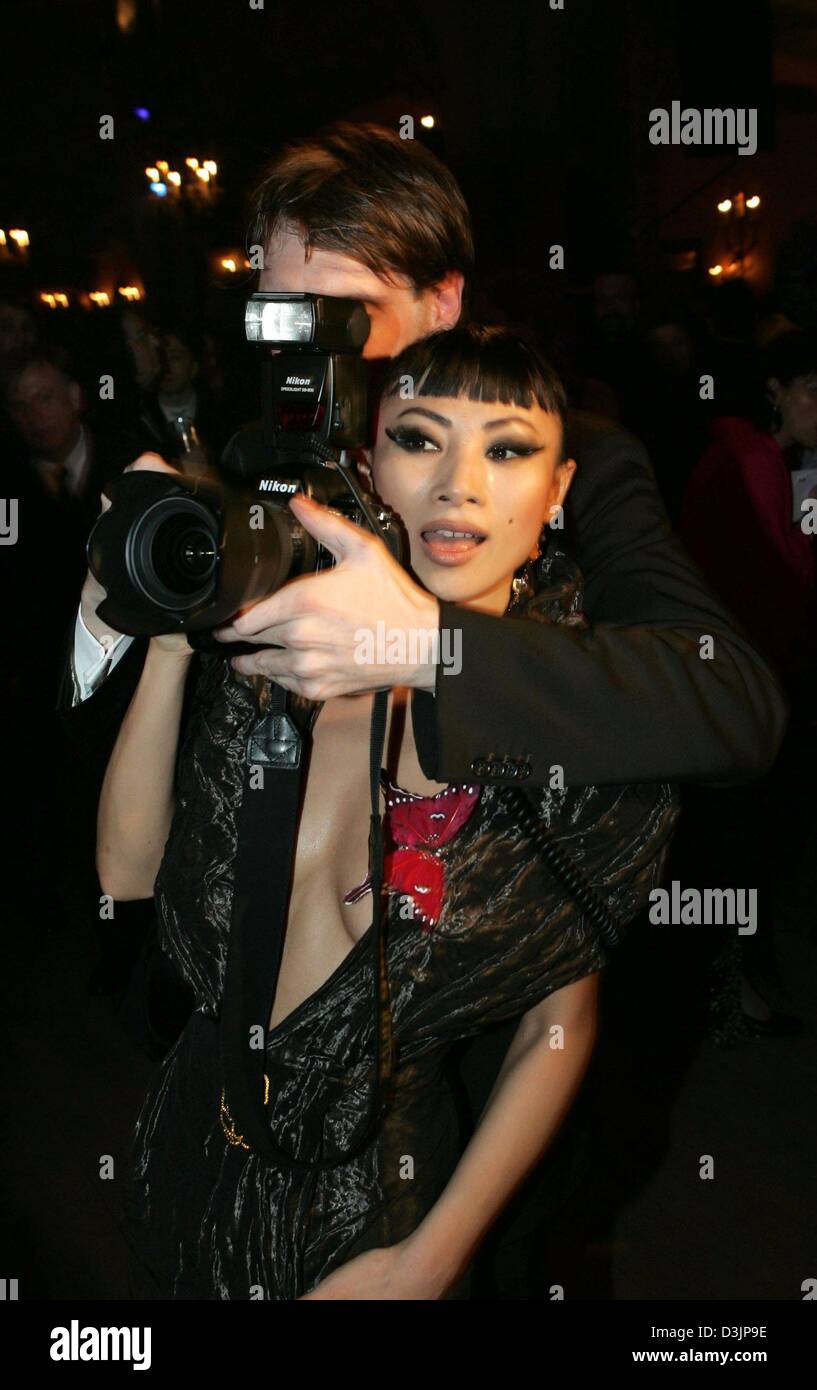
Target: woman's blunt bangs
x=484 y=363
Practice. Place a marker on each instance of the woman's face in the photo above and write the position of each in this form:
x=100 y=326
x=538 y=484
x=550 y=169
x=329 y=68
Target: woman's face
x=492 y=470
x=797 y=403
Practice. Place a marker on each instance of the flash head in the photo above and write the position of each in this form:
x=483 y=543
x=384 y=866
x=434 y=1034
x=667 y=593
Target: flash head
x=311 y=321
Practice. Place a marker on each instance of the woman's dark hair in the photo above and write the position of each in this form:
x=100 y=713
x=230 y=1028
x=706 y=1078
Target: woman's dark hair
x=482 y=362
x=790 y=355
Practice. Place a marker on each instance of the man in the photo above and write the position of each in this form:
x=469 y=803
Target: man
x=358 y=212
x=54 y=468
x=45 y=402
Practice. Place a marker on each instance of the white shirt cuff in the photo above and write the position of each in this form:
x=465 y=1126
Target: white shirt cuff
x=94 y=658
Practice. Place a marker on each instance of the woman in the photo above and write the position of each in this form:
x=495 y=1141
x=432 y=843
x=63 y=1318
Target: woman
x=478 y=930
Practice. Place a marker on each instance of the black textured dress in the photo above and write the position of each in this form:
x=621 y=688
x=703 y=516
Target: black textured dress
x=209 y=1219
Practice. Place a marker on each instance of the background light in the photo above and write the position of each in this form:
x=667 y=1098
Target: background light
x=160 y=189
x=427 y=121
x=725 y=206
x=141 y=113
x=716 y=270
x=753 y=202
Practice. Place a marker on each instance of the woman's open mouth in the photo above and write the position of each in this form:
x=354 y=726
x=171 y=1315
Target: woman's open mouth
x=447 y=546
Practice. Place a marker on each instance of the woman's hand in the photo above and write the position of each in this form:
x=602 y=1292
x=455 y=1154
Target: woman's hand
x=391 y=1272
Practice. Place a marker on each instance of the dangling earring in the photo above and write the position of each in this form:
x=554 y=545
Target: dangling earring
x=523 y=584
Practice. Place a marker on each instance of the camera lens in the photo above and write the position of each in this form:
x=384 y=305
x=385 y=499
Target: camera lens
x=173 y=553
x=183 y=554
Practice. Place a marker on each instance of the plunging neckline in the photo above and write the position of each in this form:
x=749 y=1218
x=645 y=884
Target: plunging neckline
x=399 y=792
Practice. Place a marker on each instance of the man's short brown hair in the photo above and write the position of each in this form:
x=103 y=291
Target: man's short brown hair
x=361 y=190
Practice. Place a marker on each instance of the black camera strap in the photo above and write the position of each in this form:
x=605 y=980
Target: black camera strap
x=267 y=821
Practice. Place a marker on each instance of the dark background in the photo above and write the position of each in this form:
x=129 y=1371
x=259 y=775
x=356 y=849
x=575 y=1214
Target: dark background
x=542 y=114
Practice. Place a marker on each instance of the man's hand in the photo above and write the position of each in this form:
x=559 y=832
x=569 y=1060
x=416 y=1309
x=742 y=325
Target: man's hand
x=92 y=591
x=327 y=624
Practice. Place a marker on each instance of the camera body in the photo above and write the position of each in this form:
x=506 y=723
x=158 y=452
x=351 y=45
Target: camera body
x=186 y=554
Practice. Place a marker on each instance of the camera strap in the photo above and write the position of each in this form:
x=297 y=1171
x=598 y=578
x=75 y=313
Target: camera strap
x=267 y=834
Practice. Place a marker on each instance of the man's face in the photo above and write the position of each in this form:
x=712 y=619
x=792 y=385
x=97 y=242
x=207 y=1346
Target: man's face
x=45 y=408
x=180 y=365
x=399 y=315
x=144 y=348
x=615 y=305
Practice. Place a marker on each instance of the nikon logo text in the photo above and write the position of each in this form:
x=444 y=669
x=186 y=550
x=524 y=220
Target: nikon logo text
x=298 y=381
x=273 y=485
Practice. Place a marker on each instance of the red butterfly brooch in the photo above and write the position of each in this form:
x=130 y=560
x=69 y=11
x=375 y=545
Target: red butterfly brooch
x=416 y=828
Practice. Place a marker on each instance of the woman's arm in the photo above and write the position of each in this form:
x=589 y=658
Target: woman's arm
x=136 y=802
x=531 y=1096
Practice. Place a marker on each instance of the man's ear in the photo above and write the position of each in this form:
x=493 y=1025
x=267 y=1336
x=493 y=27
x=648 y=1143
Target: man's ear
x=448 y=300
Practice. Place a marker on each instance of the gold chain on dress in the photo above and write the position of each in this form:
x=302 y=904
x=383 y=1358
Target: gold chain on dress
x=228 y=1123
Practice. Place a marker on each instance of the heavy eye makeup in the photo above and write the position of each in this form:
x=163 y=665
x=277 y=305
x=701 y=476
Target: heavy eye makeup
x=414 y=441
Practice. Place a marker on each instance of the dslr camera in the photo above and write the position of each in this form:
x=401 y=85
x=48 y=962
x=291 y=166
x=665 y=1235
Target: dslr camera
x=186 y=554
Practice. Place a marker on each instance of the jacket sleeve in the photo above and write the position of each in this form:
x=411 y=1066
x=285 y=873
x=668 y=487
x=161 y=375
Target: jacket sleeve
x=638 y=696
x=90 y=728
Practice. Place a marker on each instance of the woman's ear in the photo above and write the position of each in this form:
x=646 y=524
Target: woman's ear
x=562 y=481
